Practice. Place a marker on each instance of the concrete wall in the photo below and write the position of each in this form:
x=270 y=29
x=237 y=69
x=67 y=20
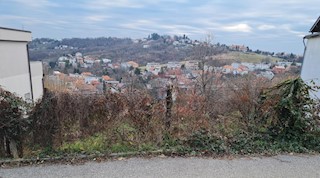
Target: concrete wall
x=310 y=68
x=20 y=85
x=37 y=75
x=14 y=65
x=14 y=70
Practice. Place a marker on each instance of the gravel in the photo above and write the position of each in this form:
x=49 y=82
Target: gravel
x=277 y=166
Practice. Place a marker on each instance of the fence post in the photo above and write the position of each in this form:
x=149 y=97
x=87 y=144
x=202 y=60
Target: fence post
x=168 y=107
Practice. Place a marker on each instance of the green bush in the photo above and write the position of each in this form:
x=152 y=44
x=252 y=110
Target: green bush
x=203 y=141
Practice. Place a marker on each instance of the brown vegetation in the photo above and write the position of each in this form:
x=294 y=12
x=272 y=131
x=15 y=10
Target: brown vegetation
x=239 y=117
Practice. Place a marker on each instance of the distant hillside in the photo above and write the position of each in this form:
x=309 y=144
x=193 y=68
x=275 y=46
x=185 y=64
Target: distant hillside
x=155 y=48
x=116 y=49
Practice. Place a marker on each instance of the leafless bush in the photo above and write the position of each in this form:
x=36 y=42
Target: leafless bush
x=135 y=117
x=63 y=117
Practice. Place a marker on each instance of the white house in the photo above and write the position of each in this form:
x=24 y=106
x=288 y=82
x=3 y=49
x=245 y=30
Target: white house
x=261 y=66
x=106 y=61
x=78 y=55
x=251 y=66
x=152 y=66
x=310 y=67
x=17 y=74
x=173 y=65
x=192 y=65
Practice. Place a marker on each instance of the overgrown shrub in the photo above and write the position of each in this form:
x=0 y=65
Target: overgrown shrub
x=287 y=110
x=204 y=141
x=13 y=123
x=62 y=118
x=239 y=118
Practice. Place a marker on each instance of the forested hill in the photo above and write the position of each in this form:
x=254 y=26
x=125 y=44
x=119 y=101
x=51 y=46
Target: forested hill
x=122 y=49
x=155 y=48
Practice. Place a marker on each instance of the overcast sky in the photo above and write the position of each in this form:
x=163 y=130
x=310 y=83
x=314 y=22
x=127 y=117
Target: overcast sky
x=273 y=25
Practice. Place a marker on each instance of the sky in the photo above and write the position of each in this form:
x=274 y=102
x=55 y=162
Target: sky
x=268 y=25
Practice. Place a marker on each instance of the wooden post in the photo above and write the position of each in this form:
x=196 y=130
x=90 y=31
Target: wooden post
x=168 y=107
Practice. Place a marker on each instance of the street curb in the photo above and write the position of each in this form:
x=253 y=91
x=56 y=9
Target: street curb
x=80 y=157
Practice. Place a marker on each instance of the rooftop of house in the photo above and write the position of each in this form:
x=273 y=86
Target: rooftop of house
x=10 y=34
x=86 y=73
x=133 y=64
x=12 y=29
x=227 y=67
x=316 y=26
x=106 y=78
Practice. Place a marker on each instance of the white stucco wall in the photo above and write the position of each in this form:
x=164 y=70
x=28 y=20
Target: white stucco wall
x=310 y=68
x=14 y=64
x=14 y=71
x=37 y=75
x=13 y=58
x=18 y=84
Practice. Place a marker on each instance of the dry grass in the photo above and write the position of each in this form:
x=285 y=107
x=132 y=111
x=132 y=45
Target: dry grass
x=245 y=57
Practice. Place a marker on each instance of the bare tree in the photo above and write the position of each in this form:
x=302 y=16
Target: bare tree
x=204 y=85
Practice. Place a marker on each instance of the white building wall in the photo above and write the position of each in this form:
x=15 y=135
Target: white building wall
x=14 y=69
x=14 y=65
x=13 y=58
x=18 y=84
x=37 y=75
x=310 y=68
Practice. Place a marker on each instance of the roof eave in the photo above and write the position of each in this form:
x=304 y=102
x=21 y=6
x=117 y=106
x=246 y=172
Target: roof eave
x=315 y=25
x=314 y=35
x=13 y=29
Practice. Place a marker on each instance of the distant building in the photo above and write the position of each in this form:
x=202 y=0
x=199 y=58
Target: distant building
x=106 y=61
x=278 y=69
x=192 y=65
x=106 y=78
x=63 y=59
x=127 y=65
x=17 y=74
x=284 y=64
x=133 y=64
x=86 y=74
x=267 y=74
x=173 y=65
x=124 y=66
x=251 y=66
x=151 y=66
x=239 y=48
x=78 y=55
x=262 y=66
x=146 y=46
x=227 y=69
x=62 y=65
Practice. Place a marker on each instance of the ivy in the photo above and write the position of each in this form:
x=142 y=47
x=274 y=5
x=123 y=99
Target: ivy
x=287 y=109
x=13 y=118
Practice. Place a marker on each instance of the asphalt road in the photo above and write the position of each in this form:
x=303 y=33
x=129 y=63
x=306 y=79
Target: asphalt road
x=278 y=166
